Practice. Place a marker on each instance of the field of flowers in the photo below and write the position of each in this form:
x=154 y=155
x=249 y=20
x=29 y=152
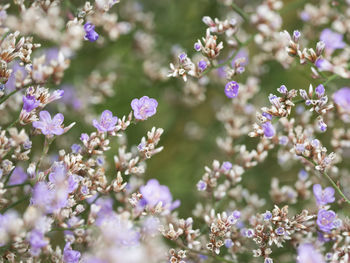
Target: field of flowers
x=146 y=131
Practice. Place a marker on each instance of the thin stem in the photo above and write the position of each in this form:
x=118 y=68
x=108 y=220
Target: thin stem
x=330 y=78
x=17 y=185
x=45 y=150
x=8 y=96
x=8 y=177
x=331 y=181
x=13 y=123
x=243 y=14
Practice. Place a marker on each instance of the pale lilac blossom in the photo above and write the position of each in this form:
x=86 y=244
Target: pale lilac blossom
x=325 y=220
x=332 y=40
x=48 y=126
x=144 y=107
x=231 y=89
x=107 y=122
x=342 y=99
x=153 y=193
x=323 y=196
x=308 y=254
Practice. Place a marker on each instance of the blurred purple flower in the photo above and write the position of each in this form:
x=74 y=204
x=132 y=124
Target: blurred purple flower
x=320 y=90
x=70 y=97
x=243 y=53
x=37 y=241
x=76 y=148
x=70 y=255
x=231 y=89
x=153 y=193
x=201 y=185
x=107 y=122
x=51 y=54
x=342 y=98
x=269 y=130
x=202 y=65
x=58 y=174
x=323 y=64
x=308 y=254
x=91 y=34
x=226 y=166
x=18 y=176
x=17 y=70
x=144 y=107
x=332 y=40
x=49 y=126
x=325 y=220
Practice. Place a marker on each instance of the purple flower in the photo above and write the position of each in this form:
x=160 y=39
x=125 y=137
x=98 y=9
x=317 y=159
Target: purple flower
x=51 y=54
x=296 y=35
x=325 y=220
x=267 y=115
x=49 y=126
x=197 y=46
x=267 y=215
x=231 y=89
x=91 y=34
x=201 y=185
x=17 y=72
x=70 y=255
x=42 y=196
x=323 y=64
x=76 y=148
x=321 y=125
x=269 y=130
x=280 y=231
x=342 y=99
x=320 y=90
x=226 y=166
x=283 y=140
x=332 y=39
x=182 y=57
x=18 y=176
x=144 y=107
x=242 y=56
x=153 y=193
x=71 y=98
x=283 y=89
x=300 y=147
x=84 y=137
x=323 y=196
x=36 y=240
x=58 y=174
x=303 y=175
x=202 y=65
x=49 y=199
x=107 y=122
x=236 y=214
x=228 y=243
x=30 y=103
x=308 y=254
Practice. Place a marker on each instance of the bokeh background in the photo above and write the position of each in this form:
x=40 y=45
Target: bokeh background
x=182 y=161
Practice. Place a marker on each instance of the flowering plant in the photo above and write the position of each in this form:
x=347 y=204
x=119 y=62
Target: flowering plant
x=73 y=190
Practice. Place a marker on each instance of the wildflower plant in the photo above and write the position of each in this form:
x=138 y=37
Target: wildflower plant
x=63 y=199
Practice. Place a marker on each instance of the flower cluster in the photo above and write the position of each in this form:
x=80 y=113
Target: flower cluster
x=72 y=187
